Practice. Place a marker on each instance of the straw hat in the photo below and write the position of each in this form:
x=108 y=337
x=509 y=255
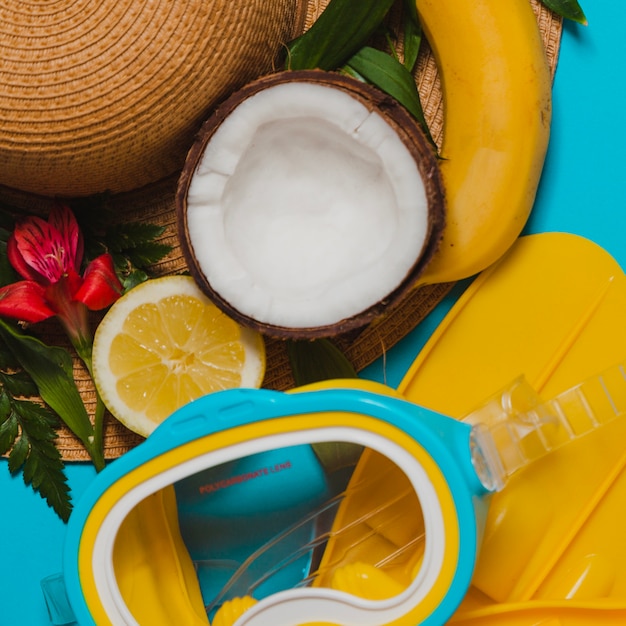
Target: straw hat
x=109 y=95
x=98 y=96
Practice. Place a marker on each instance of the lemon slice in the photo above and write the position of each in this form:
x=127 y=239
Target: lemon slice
x=163 y=344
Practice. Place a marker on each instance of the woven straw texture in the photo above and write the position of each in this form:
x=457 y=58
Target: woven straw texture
x=107 y=95
x=154 y=203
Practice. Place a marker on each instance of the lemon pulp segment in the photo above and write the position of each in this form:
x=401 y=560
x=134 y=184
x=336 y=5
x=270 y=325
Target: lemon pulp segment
x=173 y=351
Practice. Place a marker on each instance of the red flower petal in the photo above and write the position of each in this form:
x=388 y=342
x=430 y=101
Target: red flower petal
x=46 y=251
x=100 y=287
x=19 y=264
x=73 y=282
x=25 y=301
x=63 y=220
x=42 y=248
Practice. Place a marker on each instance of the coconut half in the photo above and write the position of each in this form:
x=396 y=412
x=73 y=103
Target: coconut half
x=309 y=204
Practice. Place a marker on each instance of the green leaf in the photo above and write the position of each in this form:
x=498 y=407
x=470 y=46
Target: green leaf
x=19 y=384
x=412 y=40
x=47 y=477
x=131 y=236
x=350 y=71
x=41 y=421
x=342 y=28
x=569 y=9
x=145 y=254
x=390 y=76
x=51 y=370
x=19 y=454
x=5 y=406
x=313 y=361
x=32 y=429
x=8 y=361
x=410 y=8
x=133 y=278
x=9 y=430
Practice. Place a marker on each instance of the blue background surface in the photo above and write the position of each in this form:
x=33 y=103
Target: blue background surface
x=582 y=191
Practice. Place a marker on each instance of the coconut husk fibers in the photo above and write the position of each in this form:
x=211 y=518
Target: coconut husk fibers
x=414 y=139
x=155 y=203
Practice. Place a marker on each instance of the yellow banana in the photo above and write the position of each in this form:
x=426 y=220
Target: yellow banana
x=497 y=108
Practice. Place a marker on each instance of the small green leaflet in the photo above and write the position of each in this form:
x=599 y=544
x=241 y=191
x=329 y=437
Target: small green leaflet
x=135 y=243
x=343 y=27
x=27 y=433
x=13 y=380
x=412 y=35
x=134 y=248
x=569 y=9
x=389 y=75
x=314 y=361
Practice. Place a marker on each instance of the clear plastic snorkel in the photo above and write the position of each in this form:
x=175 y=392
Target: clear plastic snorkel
x=517 y=427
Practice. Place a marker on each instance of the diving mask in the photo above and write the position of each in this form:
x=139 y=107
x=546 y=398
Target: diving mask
x=340 y=503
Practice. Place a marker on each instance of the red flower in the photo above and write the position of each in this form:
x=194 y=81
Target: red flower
x=48 y=255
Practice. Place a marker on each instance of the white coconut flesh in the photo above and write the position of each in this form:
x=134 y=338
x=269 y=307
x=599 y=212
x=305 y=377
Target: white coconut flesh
x=305 y=207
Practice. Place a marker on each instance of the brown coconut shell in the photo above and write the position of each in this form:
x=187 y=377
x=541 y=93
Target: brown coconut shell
x=108 y=95
x=411 y=135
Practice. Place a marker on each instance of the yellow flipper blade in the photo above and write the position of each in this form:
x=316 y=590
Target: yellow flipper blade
x=552 y=310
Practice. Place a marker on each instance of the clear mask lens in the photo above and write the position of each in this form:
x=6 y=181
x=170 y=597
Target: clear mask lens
x=333 y=515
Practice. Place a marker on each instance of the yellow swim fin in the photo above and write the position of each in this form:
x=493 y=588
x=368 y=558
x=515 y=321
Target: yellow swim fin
x=553 y=310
